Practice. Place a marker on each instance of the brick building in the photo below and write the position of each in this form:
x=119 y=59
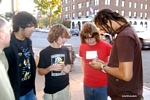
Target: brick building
x=79 y=11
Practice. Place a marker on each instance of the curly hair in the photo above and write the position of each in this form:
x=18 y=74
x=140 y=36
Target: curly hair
x=56 y=31
x=89 y=29
x=105 y=15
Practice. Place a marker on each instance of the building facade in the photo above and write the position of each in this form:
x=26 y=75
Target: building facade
x=79 y=11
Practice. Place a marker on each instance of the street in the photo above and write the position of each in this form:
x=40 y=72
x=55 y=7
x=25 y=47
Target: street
x=39 y=40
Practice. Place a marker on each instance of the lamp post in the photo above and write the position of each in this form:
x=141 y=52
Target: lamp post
x=13 y=12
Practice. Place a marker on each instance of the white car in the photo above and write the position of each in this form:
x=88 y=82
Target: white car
x=46 y=30
x=143 y=35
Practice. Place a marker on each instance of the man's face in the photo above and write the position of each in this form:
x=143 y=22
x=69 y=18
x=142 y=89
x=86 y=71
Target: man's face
x=100 y=28
x=6 y=32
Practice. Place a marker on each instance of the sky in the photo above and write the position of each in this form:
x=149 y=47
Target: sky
x=23 y=5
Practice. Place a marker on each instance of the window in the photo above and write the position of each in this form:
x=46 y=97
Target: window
x=95 y=11
x=66 y=8
x=87 y=13
x=145 y=15
x=130 y=14
x=69 y=16
x=73 y=7
x=66 y=16
x=87 y=4
x=122 y=13
x=107 y=2
x=141 y=14
x=73 y=15
x=145 y=6
x=83 y=4
x=117 y=2
x=66 y=1
x=63 y=1
x=79 y=14
x=141 y=6
x=96 y=2
x=135 y=4
x=69 y=8
x=134 y=14
x=130 y=4
x=79 y=5
x=117 y=11
x=122 y=3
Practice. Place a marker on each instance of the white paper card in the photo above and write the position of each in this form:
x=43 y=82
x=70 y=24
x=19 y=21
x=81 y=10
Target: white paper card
x=91 y=54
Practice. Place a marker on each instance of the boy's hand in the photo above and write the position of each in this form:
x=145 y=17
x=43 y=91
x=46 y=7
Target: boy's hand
x=57 y=67
x=67 y=69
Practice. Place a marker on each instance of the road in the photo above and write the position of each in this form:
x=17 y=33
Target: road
x=40 y=41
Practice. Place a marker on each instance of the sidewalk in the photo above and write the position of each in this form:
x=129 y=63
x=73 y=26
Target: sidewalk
x=76 y=85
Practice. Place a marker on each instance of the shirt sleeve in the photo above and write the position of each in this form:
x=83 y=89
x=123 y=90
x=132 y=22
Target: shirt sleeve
x=42 y=61
x=68 y=56
x=125 y=48
x=6 y=92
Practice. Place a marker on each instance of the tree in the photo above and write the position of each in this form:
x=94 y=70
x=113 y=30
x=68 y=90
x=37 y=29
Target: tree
x=51 y=8
x=56 y=21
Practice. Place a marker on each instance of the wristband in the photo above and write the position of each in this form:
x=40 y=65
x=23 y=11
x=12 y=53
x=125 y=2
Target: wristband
x=102 y=68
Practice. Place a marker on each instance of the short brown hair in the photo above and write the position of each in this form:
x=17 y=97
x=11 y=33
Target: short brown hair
x=89 y=29
x=56 y=31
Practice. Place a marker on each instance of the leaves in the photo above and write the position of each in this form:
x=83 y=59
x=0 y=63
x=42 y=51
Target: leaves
x=51 y=8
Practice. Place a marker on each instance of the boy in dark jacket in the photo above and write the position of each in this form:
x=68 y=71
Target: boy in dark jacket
x=20 y=57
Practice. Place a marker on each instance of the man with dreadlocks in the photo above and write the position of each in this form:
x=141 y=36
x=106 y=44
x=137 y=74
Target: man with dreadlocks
x=125 y=73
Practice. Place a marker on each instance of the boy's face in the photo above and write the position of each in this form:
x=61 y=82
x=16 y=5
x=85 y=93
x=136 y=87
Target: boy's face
x=90 y=40
x=61 y=40
x=27 y=32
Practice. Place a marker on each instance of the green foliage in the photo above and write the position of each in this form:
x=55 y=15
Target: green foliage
x=56 y=21
x=44 y=22
x=51 y=8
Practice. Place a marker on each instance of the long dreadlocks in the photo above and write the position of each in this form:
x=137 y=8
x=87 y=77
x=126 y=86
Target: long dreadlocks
x=106 y=15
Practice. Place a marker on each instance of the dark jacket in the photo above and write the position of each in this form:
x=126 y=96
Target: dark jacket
x=14 y=58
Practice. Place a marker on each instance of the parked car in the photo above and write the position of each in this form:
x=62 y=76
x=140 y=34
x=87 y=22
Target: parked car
x=74 y=31
x=46 y=30
x=37 y=29
x=143 y=35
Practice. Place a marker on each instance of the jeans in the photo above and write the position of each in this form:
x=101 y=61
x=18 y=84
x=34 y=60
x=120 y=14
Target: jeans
x=28 y=96
x=99 y=93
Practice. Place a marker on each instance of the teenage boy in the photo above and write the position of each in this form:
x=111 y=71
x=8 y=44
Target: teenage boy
x=22 y=68
x=54 y=63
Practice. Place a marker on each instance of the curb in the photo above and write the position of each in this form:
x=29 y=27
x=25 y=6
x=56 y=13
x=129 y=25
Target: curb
x=146 y=87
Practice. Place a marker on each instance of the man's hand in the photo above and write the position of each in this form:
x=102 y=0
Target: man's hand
x=96 y=64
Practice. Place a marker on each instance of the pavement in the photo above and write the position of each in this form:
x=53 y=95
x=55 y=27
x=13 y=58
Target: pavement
x=76 y=85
